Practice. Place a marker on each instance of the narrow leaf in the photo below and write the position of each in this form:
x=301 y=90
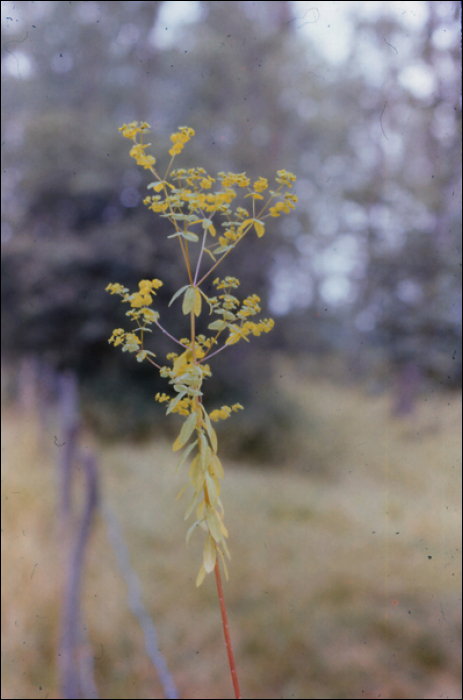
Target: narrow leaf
x=213 y=522
x=197 y=306
x=191 y=529
x=186 y=431
x=209 y=554
x=211 y=490
x=217 y=468
x=174 y=402
x=196 y=474
x=189 y=300
x=201 y=575
x=177 y=294
x=260 y=227
x=210 y=430
x=190 y=236
x=185 y=455
x=223 y=562
x=218 y=325
x=191 y=505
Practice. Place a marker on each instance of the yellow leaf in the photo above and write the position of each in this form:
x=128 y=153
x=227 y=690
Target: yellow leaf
x=209 y=554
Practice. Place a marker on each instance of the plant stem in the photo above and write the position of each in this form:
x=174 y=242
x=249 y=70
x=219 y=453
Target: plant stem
x=226 y=631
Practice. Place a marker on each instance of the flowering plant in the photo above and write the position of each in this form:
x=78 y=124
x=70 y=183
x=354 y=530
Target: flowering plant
x=214 y=222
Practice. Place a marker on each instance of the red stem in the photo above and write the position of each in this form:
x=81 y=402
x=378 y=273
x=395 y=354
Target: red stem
x=226 y=630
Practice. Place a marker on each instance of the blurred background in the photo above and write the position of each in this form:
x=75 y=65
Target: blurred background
x=346 y=461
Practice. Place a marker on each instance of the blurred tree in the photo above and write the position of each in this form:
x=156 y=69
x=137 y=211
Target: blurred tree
x=373 y=248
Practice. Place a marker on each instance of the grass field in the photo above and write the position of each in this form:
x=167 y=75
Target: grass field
x=345 y=579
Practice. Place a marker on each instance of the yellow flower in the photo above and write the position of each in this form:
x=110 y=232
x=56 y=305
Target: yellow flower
x=117 y=337
x=138 y=153
x=114 y=288
x=129 y=130
x=285 y=178
x=138 y=299
x=261 y=184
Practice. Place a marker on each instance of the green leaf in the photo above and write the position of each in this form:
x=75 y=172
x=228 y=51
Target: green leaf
x=178 y=387
x=190 y=236
x=174 y=402
x=200 y=576
x=211 y=490
x=217 y=468
x=177 y=294
x=191 y=529
x=196 y=474
x=189 y=300
x=185 y=455
x=197 y=306
x=191 y=504
x=205 y=452
x=218 y=325
x=210 y=430
x=214 y=524
x=186 y=431
x=209 y=555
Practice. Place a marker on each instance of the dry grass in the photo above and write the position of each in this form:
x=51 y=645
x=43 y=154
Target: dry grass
x=342 y=586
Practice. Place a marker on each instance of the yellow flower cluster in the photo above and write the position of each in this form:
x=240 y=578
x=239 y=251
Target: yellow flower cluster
x=227 y=283
x=261 y=184
x=130 y=341
x=284 y=206
x=138 y=152
x=285 y=178
x=224 y=412
x=232 y=179
x=131 y=130
x=143 y=297
x=241 y=332
x=180 y=138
